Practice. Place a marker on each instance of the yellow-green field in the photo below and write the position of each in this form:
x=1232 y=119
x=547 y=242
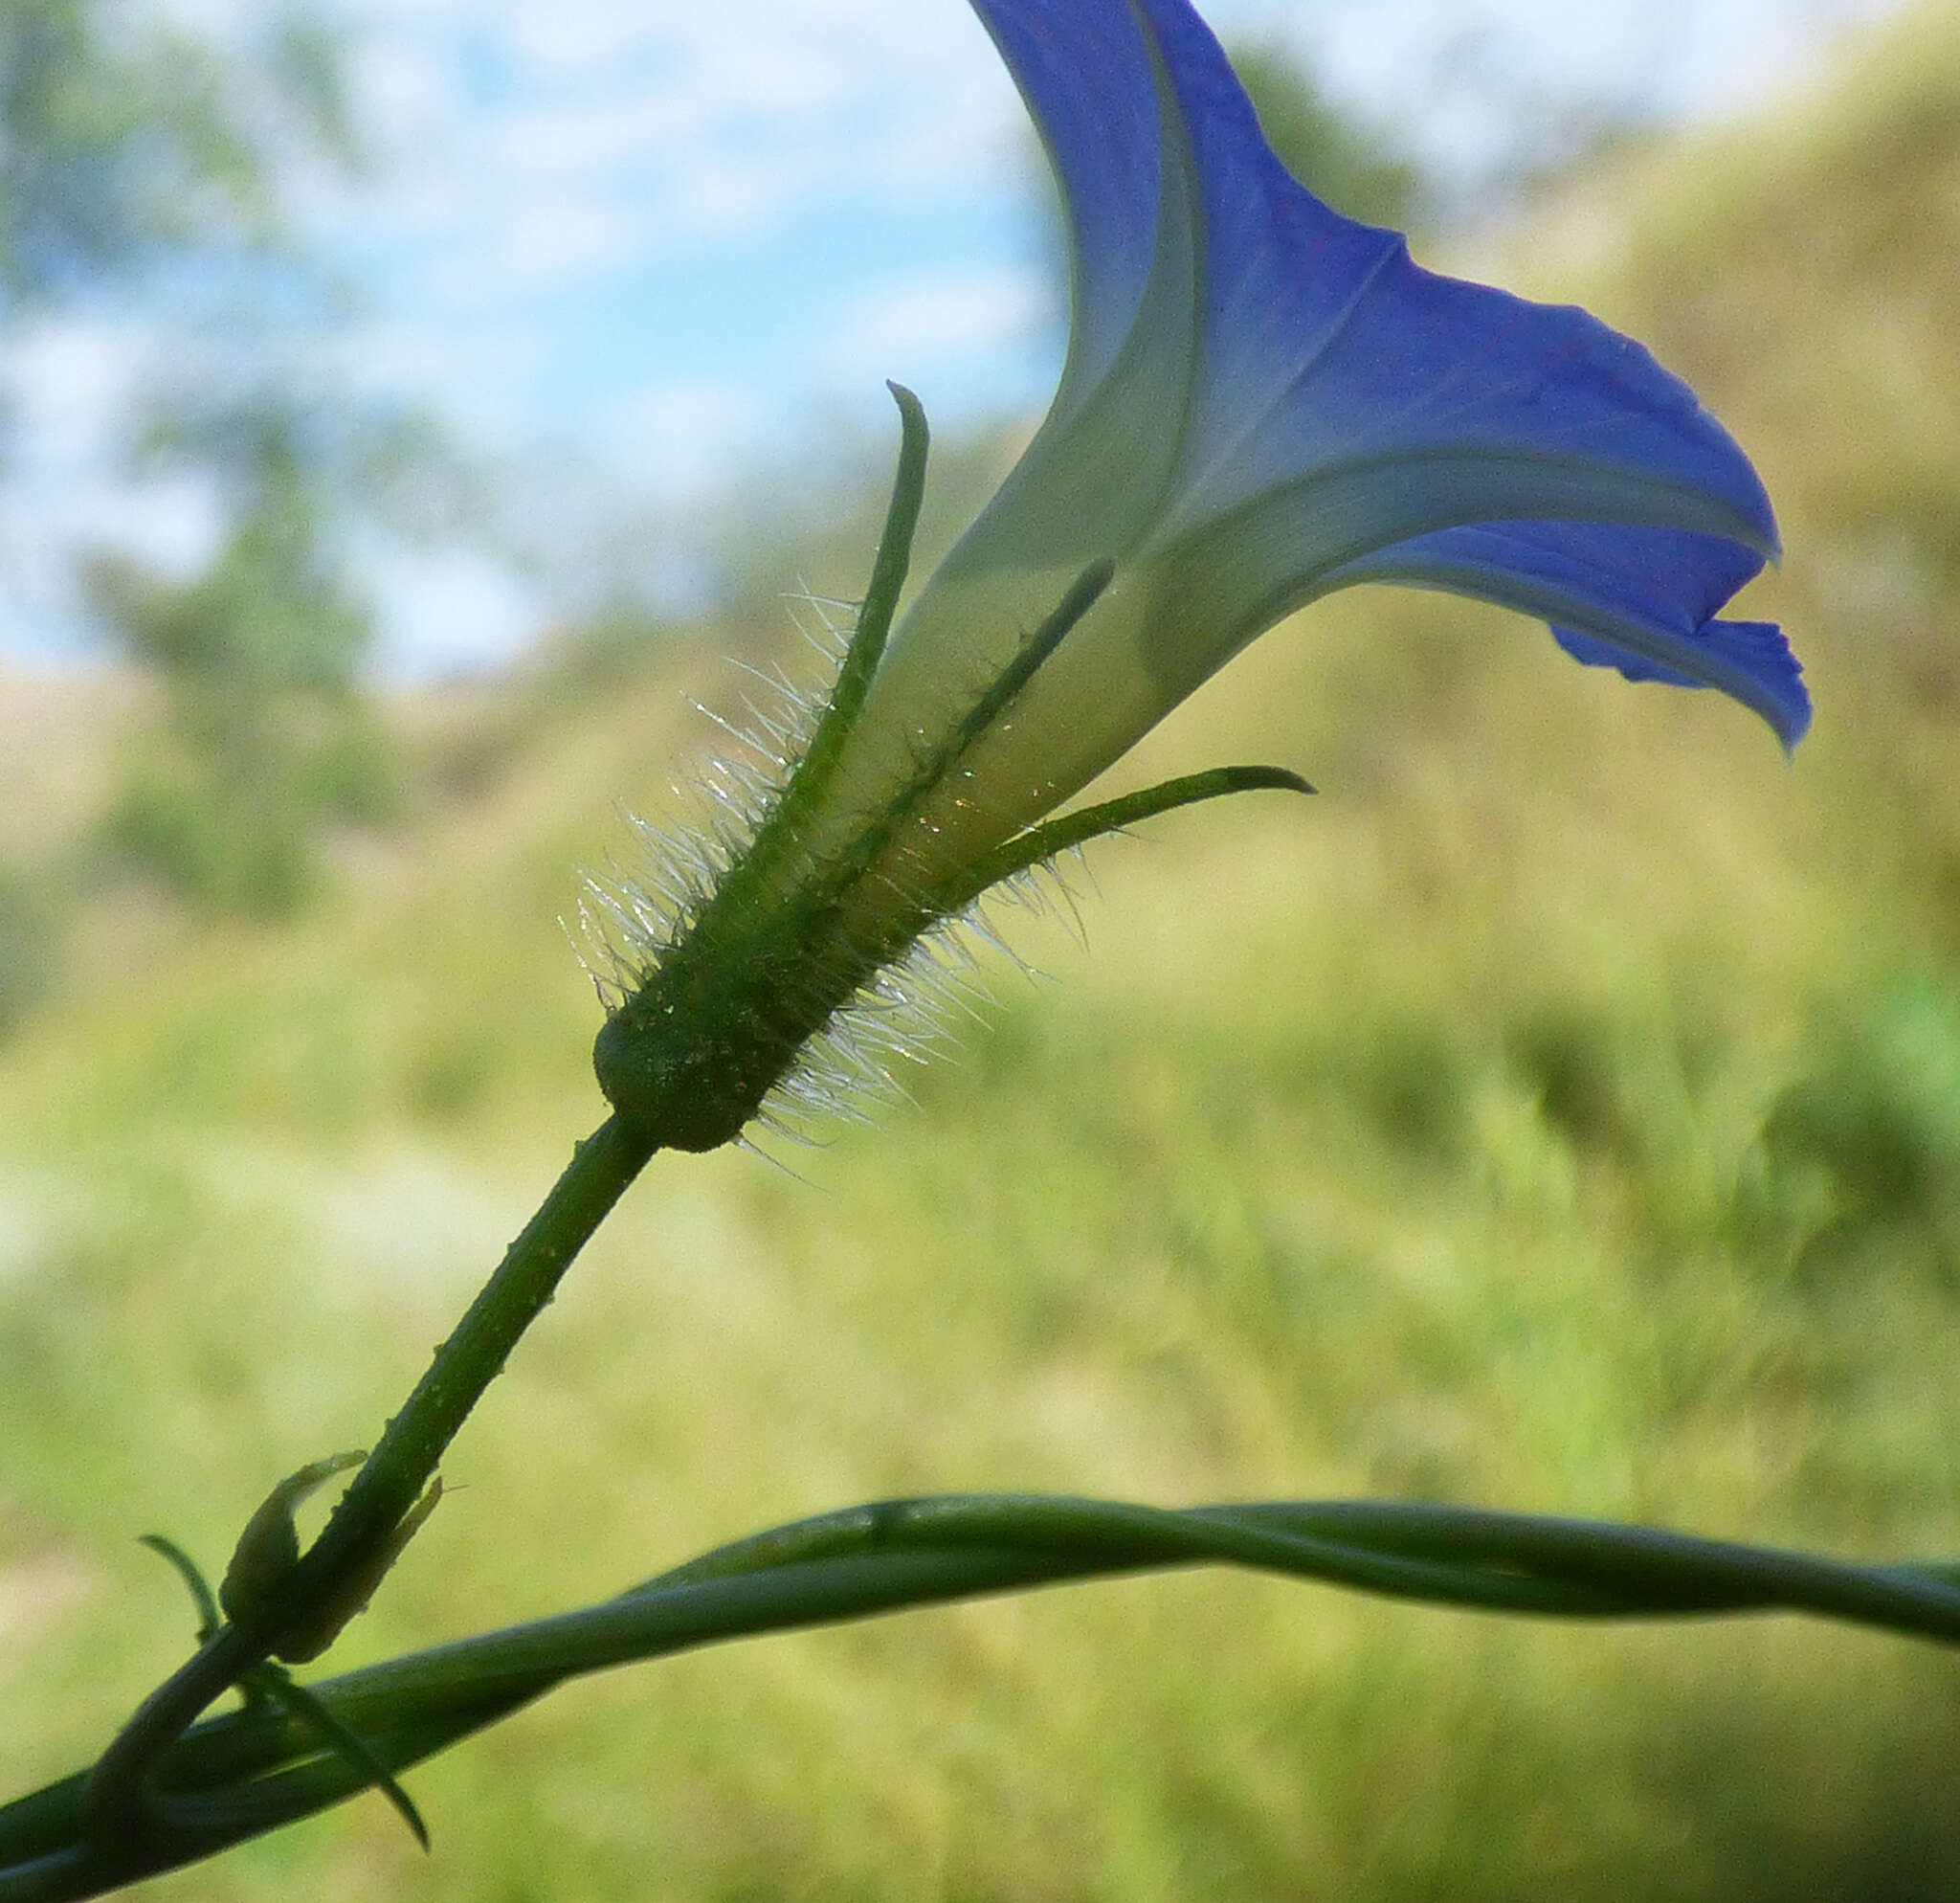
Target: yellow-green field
x=1561 y=1111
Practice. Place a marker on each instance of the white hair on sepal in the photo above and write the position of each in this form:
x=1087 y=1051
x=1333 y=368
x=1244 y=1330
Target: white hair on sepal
x=901 y=1017
x=626 y=916
x=1043 y=891
x=906 y=1016
x=630 y=916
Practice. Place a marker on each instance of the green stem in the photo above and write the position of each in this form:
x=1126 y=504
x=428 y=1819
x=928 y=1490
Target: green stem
x=238 y=1776
x=388 y=1485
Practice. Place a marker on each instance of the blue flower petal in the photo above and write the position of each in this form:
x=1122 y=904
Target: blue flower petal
x=1632 y=666
x=1103 y=142
x=1325 y=346
x=1264 y=401
x=1642 y=600
x=1755 y=651
x=1323 y=352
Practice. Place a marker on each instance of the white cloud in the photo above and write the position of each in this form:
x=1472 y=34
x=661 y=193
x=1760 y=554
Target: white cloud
x=681 y=440
x=475 y=370
x=903 y=328
x=69 y=386
x=503 y=118
x=547 y=241
x=449 y=612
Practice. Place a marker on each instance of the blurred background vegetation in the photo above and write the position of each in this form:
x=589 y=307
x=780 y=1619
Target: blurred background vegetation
x=1563 y=1111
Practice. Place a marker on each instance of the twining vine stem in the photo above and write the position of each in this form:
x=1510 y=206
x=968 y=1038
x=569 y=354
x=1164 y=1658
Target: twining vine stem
x=245 y=1773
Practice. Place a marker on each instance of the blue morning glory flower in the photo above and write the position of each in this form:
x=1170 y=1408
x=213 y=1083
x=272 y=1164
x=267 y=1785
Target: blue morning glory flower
x=1264 y=401
x=1261 y=402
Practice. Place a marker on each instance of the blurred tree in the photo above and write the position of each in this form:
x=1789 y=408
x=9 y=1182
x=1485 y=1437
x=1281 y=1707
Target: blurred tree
x=1355 y=167
x=127 y=148
x=147 y=170
x=261 y=653
x=28 y=936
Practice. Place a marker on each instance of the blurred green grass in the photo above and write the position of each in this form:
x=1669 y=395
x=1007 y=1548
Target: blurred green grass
x=1562 y=1111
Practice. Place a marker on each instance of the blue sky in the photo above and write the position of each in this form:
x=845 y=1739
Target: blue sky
x=674 y=229
x=671 y=237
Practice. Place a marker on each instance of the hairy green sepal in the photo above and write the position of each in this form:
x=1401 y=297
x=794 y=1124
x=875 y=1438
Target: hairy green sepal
x=791 y=937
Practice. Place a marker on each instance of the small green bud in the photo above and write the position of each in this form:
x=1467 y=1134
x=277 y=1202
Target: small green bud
x=267 y=1556
x=268 y=1549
